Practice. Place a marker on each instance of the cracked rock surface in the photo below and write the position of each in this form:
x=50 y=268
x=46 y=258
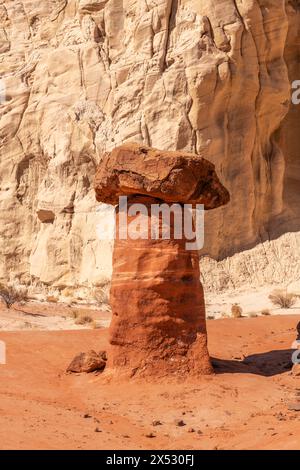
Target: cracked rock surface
x=179 y=177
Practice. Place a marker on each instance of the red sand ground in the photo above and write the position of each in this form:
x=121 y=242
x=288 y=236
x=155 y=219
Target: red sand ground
x=243 y=406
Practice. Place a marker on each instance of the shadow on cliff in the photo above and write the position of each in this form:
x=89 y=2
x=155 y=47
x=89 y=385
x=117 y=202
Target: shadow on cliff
x=266 y=364
x=276 y=228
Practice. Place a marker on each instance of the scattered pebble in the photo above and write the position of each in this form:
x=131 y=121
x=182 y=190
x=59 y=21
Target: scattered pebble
x=180 y=422
x=280 y=417
x=156 y=423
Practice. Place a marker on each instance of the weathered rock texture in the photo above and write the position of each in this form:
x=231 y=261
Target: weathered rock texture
x=87 y=362
x=158 y=313
x=207 y=76
x=178 y=177
x=158 y=323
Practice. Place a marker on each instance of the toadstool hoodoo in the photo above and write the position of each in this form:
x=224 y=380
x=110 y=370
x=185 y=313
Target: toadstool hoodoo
x=158 y=323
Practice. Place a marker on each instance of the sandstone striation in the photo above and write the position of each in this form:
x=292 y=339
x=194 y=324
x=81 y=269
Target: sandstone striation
x=80 y=77
x=158 y=313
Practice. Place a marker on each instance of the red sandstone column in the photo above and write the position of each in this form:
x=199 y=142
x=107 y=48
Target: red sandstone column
x=158 y=314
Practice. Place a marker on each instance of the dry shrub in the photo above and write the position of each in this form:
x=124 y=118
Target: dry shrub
x=282 y=298
x=101 y=293
x=74 y=314
x=83 y=320
x=265 y=312
x=13 y=293
x=82 y=316
x=236 y=311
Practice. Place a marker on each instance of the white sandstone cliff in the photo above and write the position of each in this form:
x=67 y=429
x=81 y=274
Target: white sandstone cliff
x=82 y=76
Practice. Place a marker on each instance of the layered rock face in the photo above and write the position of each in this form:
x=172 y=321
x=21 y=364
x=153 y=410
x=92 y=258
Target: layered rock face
x=288 y=133
x=158 y=323
x=82 y=76
x=158 y=313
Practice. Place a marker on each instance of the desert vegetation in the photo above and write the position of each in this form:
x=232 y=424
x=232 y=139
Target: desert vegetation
x=101 y=293
x=236 y=311
x=282 y=298
x=83 y=320
x=12 y=293
x=83 y=317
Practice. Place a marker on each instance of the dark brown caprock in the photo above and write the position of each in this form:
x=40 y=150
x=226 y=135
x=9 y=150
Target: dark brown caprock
x=158 y=325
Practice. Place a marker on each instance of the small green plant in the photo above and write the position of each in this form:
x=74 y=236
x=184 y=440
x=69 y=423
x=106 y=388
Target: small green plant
x=283 y=299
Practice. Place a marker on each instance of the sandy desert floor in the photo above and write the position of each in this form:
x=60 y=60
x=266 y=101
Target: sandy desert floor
x=245 y=405
x=50 y=316
x=252 y=301
x=38 y=315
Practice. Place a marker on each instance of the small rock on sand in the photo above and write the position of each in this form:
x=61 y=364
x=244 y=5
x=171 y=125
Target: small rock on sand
x=180 y=422
x=86 y=362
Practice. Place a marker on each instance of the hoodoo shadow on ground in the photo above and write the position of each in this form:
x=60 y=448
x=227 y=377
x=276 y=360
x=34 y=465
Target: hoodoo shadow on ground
x=265 y=364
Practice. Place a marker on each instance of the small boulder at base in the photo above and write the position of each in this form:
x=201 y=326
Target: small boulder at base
x=87 y=362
